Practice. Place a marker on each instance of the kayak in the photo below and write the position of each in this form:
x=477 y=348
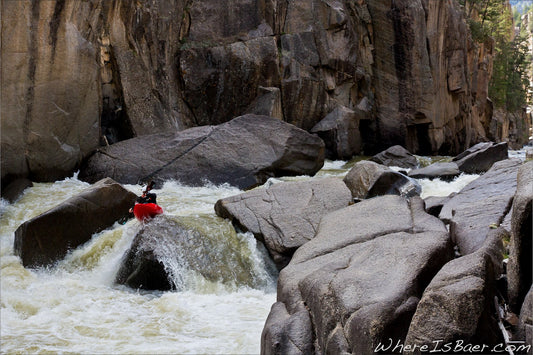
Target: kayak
x=143 y=211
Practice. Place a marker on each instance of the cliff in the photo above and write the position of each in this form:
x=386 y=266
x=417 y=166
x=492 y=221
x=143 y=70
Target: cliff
x=80 y=74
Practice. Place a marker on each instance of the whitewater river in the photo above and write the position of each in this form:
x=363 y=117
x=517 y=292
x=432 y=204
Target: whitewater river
x=75 y=307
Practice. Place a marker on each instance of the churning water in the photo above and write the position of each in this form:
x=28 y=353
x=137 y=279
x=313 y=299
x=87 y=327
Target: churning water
x=74 y=307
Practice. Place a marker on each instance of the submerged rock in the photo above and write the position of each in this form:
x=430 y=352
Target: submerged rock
x=480 y=205
x=458 y=304
x=520 y=267
x=285 y=215
x=170 y=253
x=48 y=237
x=443 y=171
x=396 y=156
x=357 y=283
x=481 y=157
x=243 y=152
x=368 y=179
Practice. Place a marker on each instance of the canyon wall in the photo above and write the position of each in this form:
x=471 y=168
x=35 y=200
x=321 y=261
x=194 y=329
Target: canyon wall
x=79 y=74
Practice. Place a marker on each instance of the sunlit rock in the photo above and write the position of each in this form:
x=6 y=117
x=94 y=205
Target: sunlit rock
x=358 y=282
x=285 y=215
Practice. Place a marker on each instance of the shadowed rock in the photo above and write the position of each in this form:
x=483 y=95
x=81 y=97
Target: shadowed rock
x=14 y=190
x=396 y=156
x=340 y=132
x=368 y=179
x=357 y=283
x=48 y=237
x=434 y=204
x=481 y=157
x=526 y=321
x=520 y=266
x=458 y=304
x=243 y=152
x=285 y=215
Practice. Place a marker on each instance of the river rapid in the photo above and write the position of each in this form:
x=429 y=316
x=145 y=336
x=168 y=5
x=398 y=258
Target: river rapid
x=74 y=307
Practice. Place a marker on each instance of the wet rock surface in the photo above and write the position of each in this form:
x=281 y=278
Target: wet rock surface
x=47 y=238
x=368 y=179
x=168 y=253
x=443 y=171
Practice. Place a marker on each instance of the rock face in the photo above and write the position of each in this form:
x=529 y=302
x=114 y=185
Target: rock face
x=368 y=179
x=520 y=265
x=480 y=204
x=340 y=132
x=510 y=126
x=79 y=74
x=51 y=103
x=480 y=157
x=48 y=237
x=396 y=156
x=243 y=152
x=357 y=283
x=285 y=216
x=458 y=304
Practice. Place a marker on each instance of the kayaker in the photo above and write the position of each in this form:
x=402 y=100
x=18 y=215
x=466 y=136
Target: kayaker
x=147 y=196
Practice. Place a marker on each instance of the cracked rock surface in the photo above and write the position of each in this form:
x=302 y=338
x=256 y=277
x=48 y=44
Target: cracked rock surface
x=285 y=215
x=358 y=282
x=243 y=152
x=481 y=205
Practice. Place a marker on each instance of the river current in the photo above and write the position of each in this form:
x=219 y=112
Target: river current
x=74 y=307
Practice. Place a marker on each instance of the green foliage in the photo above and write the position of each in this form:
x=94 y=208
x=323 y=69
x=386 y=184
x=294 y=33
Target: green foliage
x=493 y=19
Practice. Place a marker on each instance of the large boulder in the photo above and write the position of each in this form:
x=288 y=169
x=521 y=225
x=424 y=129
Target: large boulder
x=47 y=238
x=443 y=171
x=481 y=205
x=243 y=152
x=286 y=215
x=458 y=305
x=177 y=253
x=396 y=156
x=481 y=157
x=520 y=268
x=367 y=179
x=340 y=132
x=357 y=283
